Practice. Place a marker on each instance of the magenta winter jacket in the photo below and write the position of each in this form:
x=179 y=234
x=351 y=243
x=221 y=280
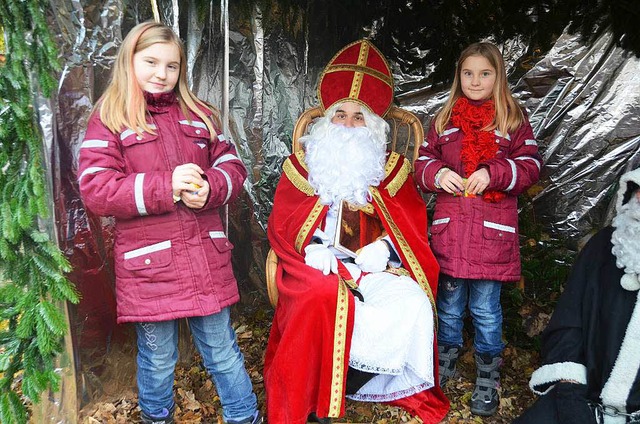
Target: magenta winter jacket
x=171 y=261
x=470 y=237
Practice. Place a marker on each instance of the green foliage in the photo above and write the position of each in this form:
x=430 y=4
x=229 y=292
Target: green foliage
x=32 y=268
x=546 y=261
x=11 y=409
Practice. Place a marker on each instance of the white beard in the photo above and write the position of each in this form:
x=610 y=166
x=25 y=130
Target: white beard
x=626 y=243
x=343 y=162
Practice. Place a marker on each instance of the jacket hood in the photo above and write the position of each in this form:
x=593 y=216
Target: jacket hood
x=629 y=182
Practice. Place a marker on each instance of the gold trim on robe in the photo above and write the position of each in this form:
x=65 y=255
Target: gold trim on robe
x=391 y=163
x=300 y=156
x=339 y=346
x=400 y=272
x=296 y=178
x=399 y=179
x=368 y=208
x=413 y=263
x=309 y=225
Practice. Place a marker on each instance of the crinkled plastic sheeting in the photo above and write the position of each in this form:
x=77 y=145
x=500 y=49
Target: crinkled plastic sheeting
x=582 y=102
x=584 y=106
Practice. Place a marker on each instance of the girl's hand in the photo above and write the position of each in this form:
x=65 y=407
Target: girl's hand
x=195 y=199
x=184 y=176
x=451 y=182
x=478 y=181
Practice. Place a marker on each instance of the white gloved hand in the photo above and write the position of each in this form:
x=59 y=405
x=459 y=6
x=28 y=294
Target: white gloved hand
x=319 y=256
x=373 y=257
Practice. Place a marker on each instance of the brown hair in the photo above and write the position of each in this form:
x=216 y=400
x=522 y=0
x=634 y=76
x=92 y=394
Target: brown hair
x=508 y=113
x=123 y=104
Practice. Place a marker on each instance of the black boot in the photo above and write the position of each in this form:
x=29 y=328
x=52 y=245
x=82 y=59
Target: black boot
x=256 y=418
x=165 y=418
x=356 y=379
x=313 y=418
x=447 y=358
x=485 y=398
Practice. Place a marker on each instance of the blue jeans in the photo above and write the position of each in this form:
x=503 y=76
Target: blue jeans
x=215 y=339
x=483 y=297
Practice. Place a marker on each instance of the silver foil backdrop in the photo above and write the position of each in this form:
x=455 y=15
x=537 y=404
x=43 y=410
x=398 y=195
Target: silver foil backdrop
x=583 y=103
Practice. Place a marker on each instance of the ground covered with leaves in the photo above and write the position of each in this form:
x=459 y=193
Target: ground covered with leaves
x=198 y=403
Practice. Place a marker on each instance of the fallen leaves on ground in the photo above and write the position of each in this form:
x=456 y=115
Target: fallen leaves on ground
x=534 y=319
x=198 y=403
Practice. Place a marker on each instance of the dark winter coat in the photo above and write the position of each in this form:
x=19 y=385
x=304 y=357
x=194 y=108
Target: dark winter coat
x=584 y=340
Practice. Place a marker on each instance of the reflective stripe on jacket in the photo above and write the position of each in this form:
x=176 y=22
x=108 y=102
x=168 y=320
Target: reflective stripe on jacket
x=470 y=237
x=170 y=261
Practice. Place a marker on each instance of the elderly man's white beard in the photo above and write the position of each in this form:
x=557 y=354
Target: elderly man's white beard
x=343 y=162
x=626 y=242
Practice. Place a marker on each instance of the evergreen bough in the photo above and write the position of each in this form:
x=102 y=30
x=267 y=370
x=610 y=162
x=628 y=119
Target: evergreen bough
x=32 y=268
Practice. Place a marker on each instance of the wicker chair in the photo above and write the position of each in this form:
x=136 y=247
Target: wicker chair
x=406 y=137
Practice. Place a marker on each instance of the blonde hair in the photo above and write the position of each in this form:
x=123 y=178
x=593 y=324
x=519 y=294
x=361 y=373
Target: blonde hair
x=123 y=103
x=508 y=115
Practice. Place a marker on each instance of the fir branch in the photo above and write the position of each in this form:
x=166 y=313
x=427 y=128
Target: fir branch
x=11 y=408
x=33 y=269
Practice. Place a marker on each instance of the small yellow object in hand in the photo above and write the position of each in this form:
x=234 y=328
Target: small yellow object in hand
x=196 y=188
x=465 y=193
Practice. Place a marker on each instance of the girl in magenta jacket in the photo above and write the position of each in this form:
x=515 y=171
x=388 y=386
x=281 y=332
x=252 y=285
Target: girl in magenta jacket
x=479 y=155
x=153 y=159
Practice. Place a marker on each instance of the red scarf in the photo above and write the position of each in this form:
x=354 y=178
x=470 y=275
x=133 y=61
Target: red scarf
x=478 y=145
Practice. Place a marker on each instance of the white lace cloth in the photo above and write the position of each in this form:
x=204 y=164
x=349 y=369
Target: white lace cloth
x=393 y=337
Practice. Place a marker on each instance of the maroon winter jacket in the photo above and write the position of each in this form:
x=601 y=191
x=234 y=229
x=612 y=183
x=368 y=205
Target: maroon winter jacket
x=171 y=261
x=471 y=237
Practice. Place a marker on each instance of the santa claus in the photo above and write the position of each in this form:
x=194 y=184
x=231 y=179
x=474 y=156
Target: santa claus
x=356 y=277
x=590 y=369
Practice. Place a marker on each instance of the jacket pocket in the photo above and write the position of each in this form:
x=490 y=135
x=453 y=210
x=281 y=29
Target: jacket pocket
x=220 y=255
x=495 y=231
x=195 y=129
x=142 y=152
x=222 y=244
x=130 y=138
x=439 y=231
x=448 y=144
x=148 y=273
x=149 y=257
x=448 y=135
x=219 y=258
x=500 y=243
x=197 y=139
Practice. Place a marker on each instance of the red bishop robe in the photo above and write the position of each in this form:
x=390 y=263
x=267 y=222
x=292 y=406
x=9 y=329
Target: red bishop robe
x=307 y=354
